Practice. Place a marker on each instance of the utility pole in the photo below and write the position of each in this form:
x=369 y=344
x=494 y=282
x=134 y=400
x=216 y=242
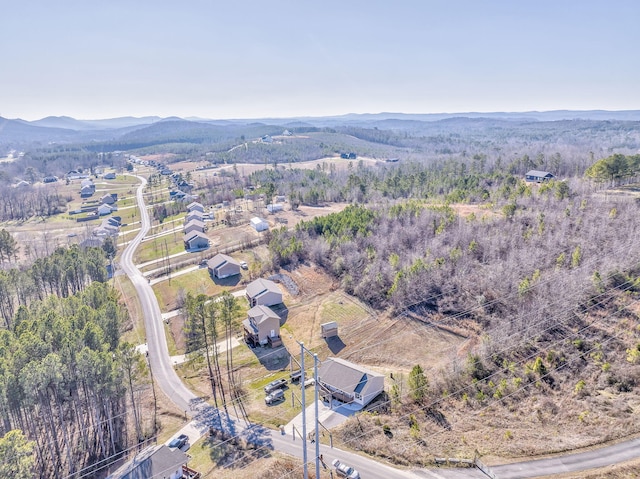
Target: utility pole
x=304 y=411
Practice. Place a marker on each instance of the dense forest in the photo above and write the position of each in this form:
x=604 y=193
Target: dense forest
x=66 y=380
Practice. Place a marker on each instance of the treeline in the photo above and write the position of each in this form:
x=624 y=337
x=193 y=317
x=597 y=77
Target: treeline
x=615 y=168
x=65 y=272
x=503 y=266
x=26 y=202
x=64 y=378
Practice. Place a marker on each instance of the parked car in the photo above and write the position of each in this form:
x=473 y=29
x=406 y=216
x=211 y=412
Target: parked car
x=274 y=396
x=179 y=441
x=309 y=382
x=273 y=385
x=345 y=471
x=244 y=265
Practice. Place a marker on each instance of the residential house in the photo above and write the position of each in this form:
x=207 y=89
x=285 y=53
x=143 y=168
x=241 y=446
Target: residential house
x=104 y=209
x=538 y=176
x=222 y=266
x=50 y=179
x=195 y=206
x=21 y=183
x=348 y=382
x=194 y=225
x=194 y=215
x=195 y=241
x=263 y=292
x=109 y=199
x=109 y=176
x=262 y=326
x=86 y=191
x=154 y=461
x=259 y=224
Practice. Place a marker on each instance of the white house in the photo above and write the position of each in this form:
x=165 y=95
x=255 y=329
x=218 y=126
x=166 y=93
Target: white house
x=259 y=224
x=348 y=382
x=274 y=208
x=263 y=291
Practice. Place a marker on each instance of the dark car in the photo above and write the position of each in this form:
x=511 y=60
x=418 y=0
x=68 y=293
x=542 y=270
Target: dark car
x=179 y=441
x=273 y=385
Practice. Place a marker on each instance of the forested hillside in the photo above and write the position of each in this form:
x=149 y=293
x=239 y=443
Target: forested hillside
x=66 y=381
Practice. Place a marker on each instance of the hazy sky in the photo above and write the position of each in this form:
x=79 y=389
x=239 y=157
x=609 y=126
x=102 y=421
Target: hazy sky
x=249 y=59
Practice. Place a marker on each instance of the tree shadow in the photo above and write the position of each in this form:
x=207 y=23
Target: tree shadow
x=335 y=344
x=272 y=359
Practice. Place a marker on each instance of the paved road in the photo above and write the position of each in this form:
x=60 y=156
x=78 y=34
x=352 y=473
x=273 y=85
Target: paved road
x=204 y=415
x=163 y=371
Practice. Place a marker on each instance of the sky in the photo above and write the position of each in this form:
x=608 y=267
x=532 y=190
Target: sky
x=92 y=59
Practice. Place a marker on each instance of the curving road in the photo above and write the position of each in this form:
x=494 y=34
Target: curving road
x=170 y=383
x=163 y=371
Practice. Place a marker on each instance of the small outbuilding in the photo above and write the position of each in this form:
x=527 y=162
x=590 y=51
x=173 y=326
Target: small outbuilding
x=274 y=208
x=195 y=241
x=259 y=224
x=328 y=330
x=538 y=176
x=222 y=266
x=263 y=292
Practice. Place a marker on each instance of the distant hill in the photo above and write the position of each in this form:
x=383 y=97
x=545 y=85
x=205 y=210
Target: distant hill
x=19 y=131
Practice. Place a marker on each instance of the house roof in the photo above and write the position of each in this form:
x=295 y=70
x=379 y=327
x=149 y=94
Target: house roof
x=346 y=376
x=154 y=461
x=220 y=260
x=193 y=205
x=255 y=220
x=261 y=313
x=538 y=173
x=260 y=286
x=193 y=235
x=194 y=222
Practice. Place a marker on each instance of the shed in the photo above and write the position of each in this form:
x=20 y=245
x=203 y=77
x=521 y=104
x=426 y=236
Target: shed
x=259 y=224
x=328 y=330
x=274 y=208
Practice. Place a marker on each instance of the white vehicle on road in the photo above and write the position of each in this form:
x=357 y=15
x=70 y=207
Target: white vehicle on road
x=345 y=471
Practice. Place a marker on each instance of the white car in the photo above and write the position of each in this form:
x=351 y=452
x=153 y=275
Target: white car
x=309 y=382
x=345 y=471
x=244 y=265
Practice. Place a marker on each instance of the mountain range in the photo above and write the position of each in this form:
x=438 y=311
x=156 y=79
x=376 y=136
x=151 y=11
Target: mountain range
x=151 y=129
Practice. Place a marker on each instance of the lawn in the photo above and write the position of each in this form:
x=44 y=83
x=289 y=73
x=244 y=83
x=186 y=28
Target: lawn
x=196 y=282
x=157 y=248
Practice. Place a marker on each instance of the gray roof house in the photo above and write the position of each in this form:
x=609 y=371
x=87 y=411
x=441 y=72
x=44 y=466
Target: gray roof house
x=264 y=292
x=195 y=206
x=348 y=382
x=109 y=176
x=194 y=225
x=154 y=461
x=86 y=191
x=538 y=176
x=108 y=199
x=262 y=326
x=195 y=241
x=223 y=266
x=194 y=215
